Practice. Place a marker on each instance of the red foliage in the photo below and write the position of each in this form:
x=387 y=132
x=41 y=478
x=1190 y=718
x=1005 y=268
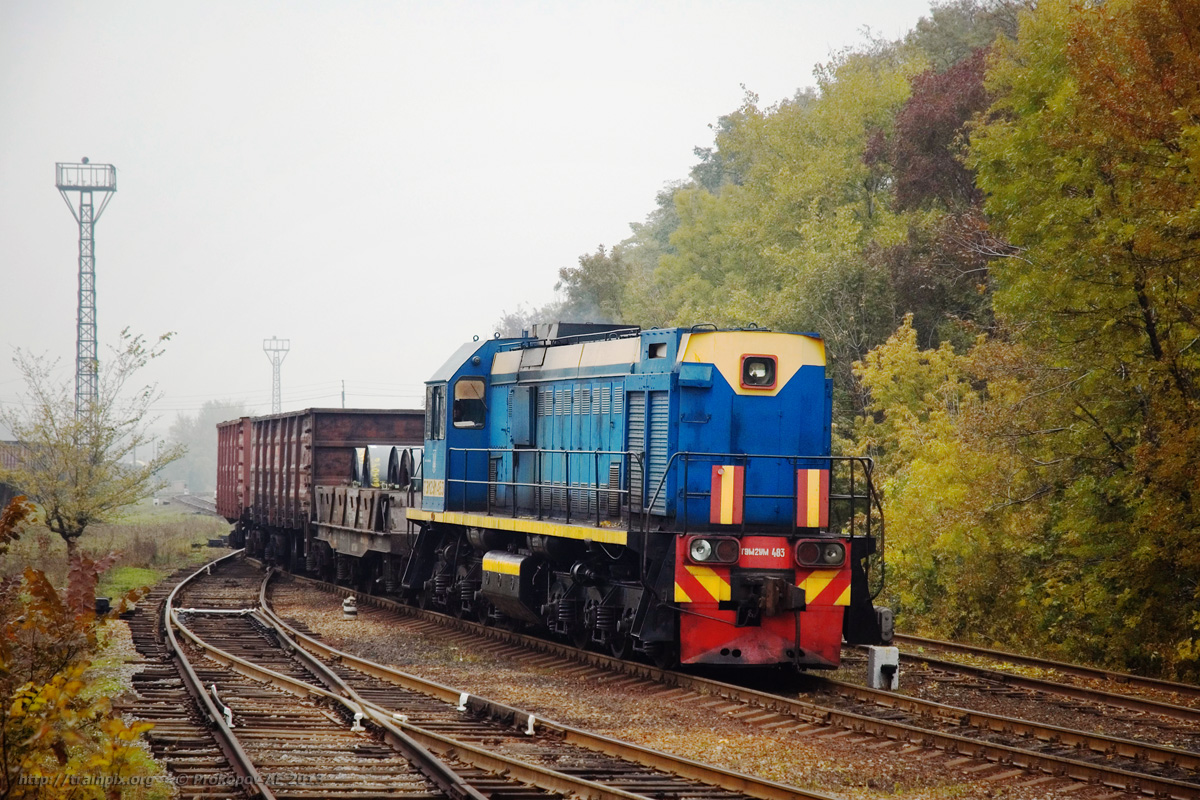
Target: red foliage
x=930 y=133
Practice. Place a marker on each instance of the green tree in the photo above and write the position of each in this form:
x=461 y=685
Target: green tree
x=78 y=467
x=957 y=28
x=197 y=435
x=782 y=245
x=594 y=291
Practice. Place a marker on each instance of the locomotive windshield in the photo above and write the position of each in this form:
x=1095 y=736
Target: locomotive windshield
x=469 y=407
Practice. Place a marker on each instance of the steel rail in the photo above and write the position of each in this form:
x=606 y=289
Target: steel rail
x=812 y=712
x=543 y=778
x=686 y=768
x=1081 y=740
x=1077 y=670
x=1115 y=699
x=425 y=762
x=429 y=765
x=227 y=741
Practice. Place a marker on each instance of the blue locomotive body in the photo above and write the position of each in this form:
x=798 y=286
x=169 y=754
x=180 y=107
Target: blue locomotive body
x=561 y=426
x=583 y=467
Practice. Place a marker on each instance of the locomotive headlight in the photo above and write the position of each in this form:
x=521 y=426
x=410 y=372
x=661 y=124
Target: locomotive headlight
x=714 y=550
x=758 y=372
x=727 y=550
x=808 y=553
x=700 y=550
x=820 y=554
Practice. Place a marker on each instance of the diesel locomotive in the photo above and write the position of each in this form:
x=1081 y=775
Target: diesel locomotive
x=667 y=492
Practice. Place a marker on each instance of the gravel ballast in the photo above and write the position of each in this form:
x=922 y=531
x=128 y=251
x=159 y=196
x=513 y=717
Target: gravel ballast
x=827 y=759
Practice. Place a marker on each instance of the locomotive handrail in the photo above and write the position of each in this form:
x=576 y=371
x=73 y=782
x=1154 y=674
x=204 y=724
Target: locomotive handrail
x=871 y=497
x=629 y=457
x=686 y=457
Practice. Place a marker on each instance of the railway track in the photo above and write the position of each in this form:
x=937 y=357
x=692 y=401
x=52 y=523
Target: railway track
x=1183 y=698
x=197 y=503
x=179 y=740
x=1012 y=745
x=283 y=711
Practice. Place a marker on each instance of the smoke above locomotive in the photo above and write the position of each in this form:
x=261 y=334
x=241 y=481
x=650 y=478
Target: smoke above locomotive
x=664 y=492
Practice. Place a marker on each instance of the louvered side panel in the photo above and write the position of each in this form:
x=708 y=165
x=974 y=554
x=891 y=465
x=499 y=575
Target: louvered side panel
x=637 y=443
x=656 y=455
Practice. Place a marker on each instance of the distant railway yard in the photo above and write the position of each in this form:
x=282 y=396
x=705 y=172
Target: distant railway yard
x=282 y=677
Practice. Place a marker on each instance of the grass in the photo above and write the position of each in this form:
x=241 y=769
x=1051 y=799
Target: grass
x=119 y=581
x=150 y=542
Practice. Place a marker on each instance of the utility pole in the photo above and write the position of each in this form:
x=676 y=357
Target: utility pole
x=276 y=350
x=86 y=179
x=343 y=394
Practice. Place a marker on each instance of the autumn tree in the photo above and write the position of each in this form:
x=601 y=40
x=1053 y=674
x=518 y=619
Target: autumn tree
x=53 y=723
x=78 y=467
x=1088 y=160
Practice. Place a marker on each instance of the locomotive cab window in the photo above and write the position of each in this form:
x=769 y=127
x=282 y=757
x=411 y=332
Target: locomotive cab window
x=435 y=412
x=758 y=372
x=469 y=408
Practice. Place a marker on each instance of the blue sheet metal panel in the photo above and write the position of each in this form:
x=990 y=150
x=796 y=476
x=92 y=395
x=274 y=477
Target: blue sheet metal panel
x=659 y=350
x=445 y=468
x=704 y=427
x=642 y=382
x=579 y=417
x=503 y=416
x=698 y=376
x=793 y=423
x=433 y=497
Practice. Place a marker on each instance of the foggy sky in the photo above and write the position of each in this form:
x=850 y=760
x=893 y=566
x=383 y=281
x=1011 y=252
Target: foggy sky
x=376 y=181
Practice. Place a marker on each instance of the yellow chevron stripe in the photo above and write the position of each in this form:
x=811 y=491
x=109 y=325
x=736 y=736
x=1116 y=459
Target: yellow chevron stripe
x=816 y=582
x=716 y=586
x=844 y=600
x=680 y=595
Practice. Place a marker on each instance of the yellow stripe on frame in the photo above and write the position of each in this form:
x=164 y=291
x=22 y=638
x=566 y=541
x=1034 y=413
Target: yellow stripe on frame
x=680 y=595
x=502 y=566
x=844 y=600
x=521 y=525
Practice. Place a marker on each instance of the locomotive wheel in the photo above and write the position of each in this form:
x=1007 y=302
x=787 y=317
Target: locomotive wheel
x=580 y=637
x=664 y=655
x=620 y=645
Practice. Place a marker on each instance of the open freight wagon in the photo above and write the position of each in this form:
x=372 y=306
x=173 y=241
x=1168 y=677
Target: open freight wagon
x=269 y=467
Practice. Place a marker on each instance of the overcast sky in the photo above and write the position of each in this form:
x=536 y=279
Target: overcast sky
x=375 y=181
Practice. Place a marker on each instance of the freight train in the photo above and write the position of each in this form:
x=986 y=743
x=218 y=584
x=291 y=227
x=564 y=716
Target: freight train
x=670 y=493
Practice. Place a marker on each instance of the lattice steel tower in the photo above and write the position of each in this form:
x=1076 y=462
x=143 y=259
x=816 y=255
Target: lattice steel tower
x=86 y=179
x=276 y=350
